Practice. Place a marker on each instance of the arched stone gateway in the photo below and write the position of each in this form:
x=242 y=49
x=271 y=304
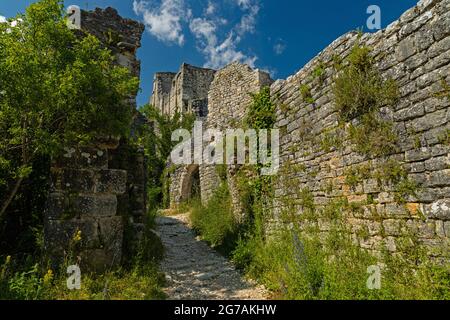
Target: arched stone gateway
x=414 y=52
x=190 y=185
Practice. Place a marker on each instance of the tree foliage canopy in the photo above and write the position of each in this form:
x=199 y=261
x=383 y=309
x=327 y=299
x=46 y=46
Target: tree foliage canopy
x=56 y=88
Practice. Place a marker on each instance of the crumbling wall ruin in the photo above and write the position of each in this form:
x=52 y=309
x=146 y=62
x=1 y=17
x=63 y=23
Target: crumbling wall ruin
x=98 y=191
x=225 y=100
x=415 y=52
x=185 y=91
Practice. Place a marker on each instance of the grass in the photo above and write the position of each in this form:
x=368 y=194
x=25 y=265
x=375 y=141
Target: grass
x=36 y=283
x=300 y=263
x=215 y=221
x=32 y=278
x=305 y=92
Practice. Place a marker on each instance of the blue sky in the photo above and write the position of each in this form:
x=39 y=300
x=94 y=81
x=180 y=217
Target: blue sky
x=278 y=36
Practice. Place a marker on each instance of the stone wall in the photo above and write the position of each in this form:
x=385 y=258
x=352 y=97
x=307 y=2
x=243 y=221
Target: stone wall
x=414 y=51
x=99 y=190
x=226 y=99
x=179 y=92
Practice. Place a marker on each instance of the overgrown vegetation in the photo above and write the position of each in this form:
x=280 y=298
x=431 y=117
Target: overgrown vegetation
x=300 y=262
x=445 y=92
x=215 y=221
x=360 y=92
x=158 y=144
x=305 y=92
x=58 y=89
x=312 y=253
x=31 y=280
x=359 y=89
x=42 y=61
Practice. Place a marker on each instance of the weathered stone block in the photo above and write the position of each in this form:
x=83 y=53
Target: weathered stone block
x=391 y=227
x=65 y=206
x=59 y=234
x=438 y=210
x=447 y=228
x=417 y=155
x=82 y=158
x=111 y=181
x=440 y=178
x=95 y=205
x=406 y=48
x=441 y=27
x=55 y=206
x=98 y=234
x=74 y=180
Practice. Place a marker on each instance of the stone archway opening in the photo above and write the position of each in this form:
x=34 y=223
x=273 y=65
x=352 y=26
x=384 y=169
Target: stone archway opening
x=190 y=188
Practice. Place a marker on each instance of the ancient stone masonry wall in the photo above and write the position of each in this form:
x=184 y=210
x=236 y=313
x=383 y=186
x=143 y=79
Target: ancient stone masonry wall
x=162 y=84
x=228 y=101
x=84 y=199
x=121 y=36
x=318 y=157
x=98 y=190
x=414 y=51
x=181 y=92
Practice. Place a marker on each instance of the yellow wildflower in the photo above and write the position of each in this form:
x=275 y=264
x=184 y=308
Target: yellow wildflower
x=48 y=277
x=8 y=260
x=77 y=236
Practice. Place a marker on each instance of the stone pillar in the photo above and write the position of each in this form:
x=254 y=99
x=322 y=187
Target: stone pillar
x=81 y=222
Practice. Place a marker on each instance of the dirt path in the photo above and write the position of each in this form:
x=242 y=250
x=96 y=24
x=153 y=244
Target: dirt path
x=195 y=271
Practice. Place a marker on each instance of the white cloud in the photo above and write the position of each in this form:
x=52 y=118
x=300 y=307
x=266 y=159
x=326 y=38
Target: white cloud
x=164 y=21
x=248 y=20
x=219 y=53
x=217 y=41
x=244 y=3
x=2 y=19
x=210 y=9
x=272 y=71
x=279 y=47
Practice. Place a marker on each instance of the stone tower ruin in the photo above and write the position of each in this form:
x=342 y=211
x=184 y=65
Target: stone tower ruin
x=99 y=191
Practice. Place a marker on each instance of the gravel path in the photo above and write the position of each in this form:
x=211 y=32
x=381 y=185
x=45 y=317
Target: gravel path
x=195 y=271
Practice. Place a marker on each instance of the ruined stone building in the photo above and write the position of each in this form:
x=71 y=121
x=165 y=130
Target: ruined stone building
x=185 y=91
x=100 y=191
x=415 y=52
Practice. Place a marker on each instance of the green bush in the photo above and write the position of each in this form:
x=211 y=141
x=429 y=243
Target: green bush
x=305 y=92
x=42 y=61
x=373 y=136
x=215 y=222
x=359 y=88
x=261 y=113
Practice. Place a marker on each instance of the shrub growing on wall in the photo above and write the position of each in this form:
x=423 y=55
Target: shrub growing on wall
x=360 y=92
x=359 y=88
x=56 y=89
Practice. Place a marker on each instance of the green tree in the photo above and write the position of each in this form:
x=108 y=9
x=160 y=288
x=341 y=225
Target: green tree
x=158 y=145
x=56 y=89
